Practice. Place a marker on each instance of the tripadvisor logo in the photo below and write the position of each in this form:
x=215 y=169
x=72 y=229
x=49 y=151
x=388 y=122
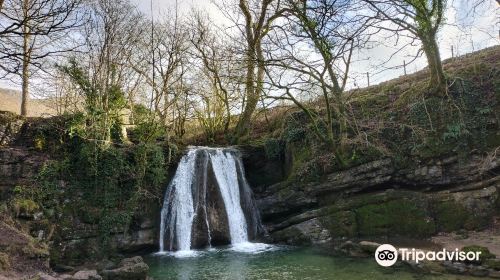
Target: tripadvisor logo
x=387 y=255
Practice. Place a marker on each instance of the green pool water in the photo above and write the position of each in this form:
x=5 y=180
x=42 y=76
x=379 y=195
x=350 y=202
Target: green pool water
x=279 y=263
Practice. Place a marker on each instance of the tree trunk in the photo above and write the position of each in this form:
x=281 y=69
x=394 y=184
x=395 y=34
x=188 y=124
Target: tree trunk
x=254 y=85
x=25 y=70
x=243 y=126
x=437 y=83
x=25 y=88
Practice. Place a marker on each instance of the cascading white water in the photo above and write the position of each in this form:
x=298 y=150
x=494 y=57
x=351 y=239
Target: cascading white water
x=224 y=166
x=182 y=209
x=208 y=194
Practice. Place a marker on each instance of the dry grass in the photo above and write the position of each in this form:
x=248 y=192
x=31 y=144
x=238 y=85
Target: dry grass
x=10 y=100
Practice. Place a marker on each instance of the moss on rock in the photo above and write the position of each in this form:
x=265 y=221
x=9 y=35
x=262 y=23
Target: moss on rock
x=291 y=235
x=492 y=263
x=403 y=217
x=4 y=262
x=485 y=252
x=340 y=224
x=450 y=216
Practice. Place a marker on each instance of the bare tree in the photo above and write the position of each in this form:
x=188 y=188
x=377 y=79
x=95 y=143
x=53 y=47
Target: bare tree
x=214 y=56
x=258 y=17
x=100 y=71
x=311 y=57
x=163 y=64
x=422 y=19
x=32 y=30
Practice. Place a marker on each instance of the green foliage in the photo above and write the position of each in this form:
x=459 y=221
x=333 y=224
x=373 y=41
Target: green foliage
x=23 y=200
x=105 y=186
x=24 y=206
x=295 y=128
x=454 y=131
x=485 y=252
x=105 y=183
x=274 y=148
x=103 y=104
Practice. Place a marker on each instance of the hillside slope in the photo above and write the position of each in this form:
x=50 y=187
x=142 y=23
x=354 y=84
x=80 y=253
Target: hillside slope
x=10 y=100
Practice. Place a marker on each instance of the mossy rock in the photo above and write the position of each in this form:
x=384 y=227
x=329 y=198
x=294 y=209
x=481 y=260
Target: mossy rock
x=492 y=263
x=24 y=207
x=90 y=215
x=340 y=224
x=291 y=235
x=485 y=252
x=403 y=217
x=478 y=222
x=450 y=216
x=4 y=262
x=76 y=252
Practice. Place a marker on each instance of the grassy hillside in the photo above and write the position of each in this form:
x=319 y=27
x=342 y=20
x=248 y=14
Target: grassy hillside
x=11 y=102
x=397 y=119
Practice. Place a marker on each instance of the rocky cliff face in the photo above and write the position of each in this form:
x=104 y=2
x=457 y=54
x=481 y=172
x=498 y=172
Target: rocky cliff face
x=74 y=238
x=380 y=199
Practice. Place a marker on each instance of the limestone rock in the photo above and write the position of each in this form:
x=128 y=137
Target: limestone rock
x=45 y=276
x=478 y=271
x=128 y=269
x=87 y=275
x=368 y=246
x=455 y=267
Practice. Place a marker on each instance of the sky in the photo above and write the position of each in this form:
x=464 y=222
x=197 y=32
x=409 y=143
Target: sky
x=480 y=33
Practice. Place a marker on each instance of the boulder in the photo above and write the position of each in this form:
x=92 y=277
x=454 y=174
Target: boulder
x=478 y=271
x=352 y=249
x=493 y=264
x=87 y=275
x=307 y=232
x=368 y=246
x=455 y=267
x=494 y=274
x=128 y=269
x=45 y=276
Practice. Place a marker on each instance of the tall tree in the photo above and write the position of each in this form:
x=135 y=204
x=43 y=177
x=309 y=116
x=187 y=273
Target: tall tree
x=100 y=72
x=422 y=19
x=213 y=54
x=163 y=64
x=258 y=17
x=33 y=30
x=310 y=61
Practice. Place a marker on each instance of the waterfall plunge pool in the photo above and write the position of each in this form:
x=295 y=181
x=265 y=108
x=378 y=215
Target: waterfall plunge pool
x=276 y=263
x=245 y=247
x=208 y=203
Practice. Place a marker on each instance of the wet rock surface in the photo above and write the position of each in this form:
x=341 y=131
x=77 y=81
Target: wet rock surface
x=379 y=199
x=128 y=269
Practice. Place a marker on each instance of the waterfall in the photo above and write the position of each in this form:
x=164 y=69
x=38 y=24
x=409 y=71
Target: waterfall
x=208 y=202
x=180 y=198
x=227 y=177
